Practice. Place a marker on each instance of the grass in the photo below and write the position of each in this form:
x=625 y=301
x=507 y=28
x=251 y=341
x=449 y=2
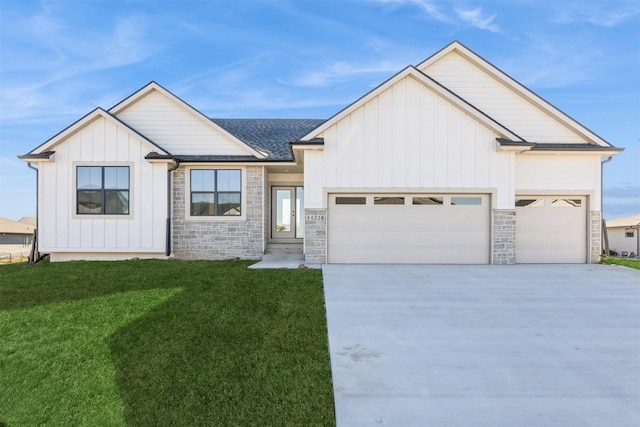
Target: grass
x=626 y=262
x=162 y=343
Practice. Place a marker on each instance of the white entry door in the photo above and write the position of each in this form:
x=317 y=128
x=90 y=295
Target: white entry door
x=287 y=213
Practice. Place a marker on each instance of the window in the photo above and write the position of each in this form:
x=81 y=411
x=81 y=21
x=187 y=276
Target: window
x=566 y=203
x=351 y=200
x=216 y=192
x=388 y=200
x=629 y=232
x=529 y=203
x=466 y=201
x=102 y=190
x=428 y=200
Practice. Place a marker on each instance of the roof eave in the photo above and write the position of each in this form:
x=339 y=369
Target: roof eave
x=46 y=156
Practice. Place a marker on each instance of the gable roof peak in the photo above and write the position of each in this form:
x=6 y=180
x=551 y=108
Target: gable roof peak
x=154 y=86
x=515 y=86
x=427 y=81
x=79 y=124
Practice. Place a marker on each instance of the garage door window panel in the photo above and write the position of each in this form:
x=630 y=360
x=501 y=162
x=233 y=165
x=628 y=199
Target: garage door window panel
x=566 y=203
x=466 y=201
x=388 y=200
x=428 y=201
x=529 y=203
x=351 y=200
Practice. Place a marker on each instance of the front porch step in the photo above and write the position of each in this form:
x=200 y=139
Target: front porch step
x=283 y=248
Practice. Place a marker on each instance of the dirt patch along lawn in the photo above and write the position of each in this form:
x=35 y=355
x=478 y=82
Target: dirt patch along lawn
x=163 y=343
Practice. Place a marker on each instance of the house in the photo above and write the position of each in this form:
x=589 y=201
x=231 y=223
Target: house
x=29 y=220
x=448 y=161
x=15 y=232
x=624 y=235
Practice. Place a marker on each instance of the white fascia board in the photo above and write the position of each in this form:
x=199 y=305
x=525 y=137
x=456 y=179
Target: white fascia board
x=122 y=105
x=560 y=152
x=515 y=86
x=301 y=147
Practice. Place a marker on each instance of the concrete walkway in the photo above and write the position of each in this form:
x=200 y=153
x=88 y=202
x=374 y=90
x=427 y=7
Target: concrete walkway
x=544 y=345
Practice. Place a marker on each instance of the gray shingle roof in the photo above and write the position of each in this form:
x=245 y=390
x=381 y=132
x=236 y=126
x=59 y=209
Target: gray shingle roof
x=270 y=136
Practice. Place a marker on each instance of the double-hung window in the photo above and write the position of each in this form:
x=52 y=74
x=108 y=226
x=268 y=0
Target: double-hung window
x=102 y=190
x=216 y=192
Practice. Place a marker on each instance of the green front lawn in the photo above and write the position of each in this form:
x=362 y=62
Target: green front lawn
x=162 y=343
x=631 y=263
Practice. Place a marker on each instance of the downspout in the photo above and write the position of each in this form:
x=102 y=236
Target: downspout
x=604 y=238
x=167 y=250
x=34 y=255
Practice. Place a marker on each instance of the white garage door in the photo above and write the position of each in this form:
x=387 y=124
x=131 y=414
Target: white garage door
x=551 y=229
x=430 y=228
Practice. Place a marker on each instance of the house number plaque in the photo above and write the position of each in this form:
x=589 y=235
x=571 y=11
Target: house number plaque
x=315 y=217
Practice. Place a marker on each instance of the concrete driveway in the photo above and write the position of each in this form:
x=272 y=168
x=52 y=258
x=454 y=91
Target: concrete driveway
x=543 y=345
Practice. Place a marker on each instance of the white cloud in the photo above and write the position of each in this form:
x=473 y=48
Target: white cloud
x=478 y=19
x=40 y=68
x=603 y=14
x=425 y=5
x=340 y=71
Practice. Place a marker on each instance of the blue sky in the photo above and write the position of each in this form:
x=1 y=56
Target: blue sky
x=306 y=59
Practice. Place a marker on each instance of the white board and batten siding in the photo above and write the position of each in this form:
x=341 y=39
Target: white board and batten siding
x=560 y=174
x=102 y=143
x=176 y=128
x=502 y=103
x=408 y=137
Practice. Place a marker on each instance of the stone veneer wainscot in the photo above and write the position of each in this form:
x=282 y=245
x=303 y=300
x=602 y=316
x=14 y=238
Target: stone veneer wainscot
x=596 y=237
x=315 y=236
x=504 y=237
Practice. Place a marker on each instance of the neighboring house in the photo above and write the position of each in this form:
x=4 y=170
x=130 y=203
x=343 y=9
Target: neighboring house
x=624 y=235
x=29 y=220
x=15 y=233
x=449 y=161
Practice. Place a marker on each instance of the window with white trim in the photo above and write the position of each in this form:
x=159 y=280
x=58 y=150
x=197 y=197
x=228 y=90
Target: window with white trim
x=216 y=192
x=102 y=190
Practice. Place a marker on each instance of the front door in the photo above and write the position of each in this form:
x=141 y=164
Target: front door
x=286 y=216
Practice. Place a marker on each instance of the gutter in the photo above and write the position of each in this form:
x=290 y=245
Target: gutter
x=34 y=254
x=167 y=250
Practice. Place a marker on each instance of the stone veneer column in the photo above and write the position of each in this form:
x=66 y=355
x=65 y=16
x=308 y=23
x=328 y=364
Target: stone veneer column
x=219 y=239
x=315 y=236
x=504 y=237
x=596 y=237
